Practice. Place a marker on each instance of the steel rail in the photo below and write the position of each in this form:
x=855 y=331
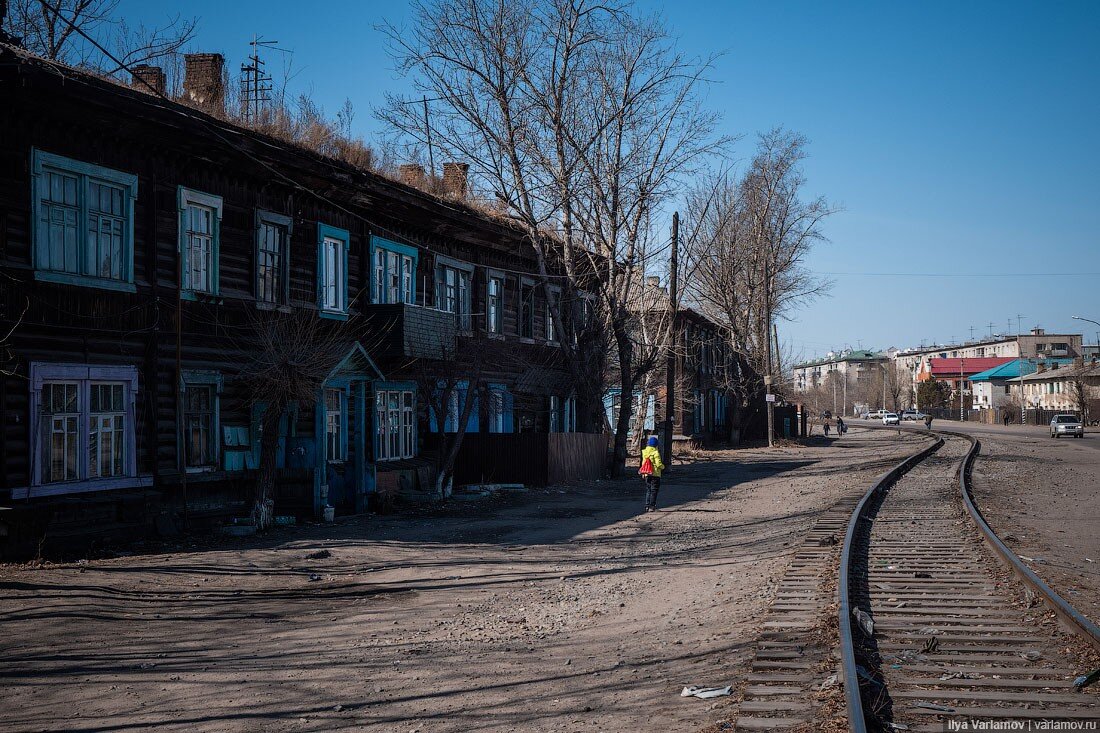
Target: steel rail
x=854 y=700
x=1070 y=616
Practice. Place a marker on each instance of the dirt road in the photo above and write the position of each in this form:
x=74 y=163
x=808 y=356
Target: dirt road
x=550 y=611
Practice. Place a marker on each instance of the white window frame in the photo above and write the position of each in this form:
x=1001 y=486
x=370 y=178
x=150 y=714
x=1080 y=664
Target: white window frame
x=395 y=423
x=83 y=376
x=332 y=271
x=188 y=200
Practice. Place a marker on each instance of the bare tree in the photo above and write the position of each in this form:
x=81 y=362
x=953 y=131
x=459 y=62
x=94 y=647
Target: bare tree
x=291 y=357
x=55 y=29
x=578 y=118
x=749 y=236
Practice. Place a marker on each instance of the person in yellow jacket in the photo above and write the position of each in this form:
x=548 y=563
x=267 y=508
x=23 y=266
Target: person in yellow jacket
x=650 y=470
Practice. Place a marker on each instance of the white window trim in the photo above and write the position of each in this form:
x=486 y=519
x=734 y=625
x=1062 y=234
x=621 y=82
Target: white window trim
x=188 y=197
x=83 y=374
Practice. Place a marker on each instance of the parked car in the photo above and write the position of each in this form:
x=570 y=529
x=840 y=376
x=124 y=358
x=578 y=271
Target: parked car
x=912 y=414
x=891 y=418
x=1066 y=425
x=865 y=415
x=878 y=414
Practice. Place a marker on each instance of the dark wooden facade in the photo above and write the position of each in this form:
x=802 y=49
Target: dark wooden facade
x=173 y=343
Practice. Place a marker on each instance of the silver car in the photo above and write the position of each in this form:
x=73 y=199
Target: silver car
x=1066 y=425
x=891 y=418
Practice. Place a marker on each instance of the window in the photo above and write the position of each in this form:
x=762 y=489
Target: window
x=336 y=448
x=83 y=427
x=563 y=417
x=83 y=223
x=500 y=409
x=272 y=258
x=553 y=295
x=582 y=314
x=527 y=309
x=394 y=278
x=332 y=271
x=494 y=303
x=199 y=429
x=452 y=289
x=200 y=233
x=395 y=422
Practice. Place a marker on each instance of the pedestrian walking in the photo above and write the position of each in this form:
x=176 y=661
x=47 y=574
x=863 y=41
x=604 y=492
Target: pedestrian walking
x=827 y=428
x=1005 y=418
x=927 y=422
x=841 y=428
x=650 y=470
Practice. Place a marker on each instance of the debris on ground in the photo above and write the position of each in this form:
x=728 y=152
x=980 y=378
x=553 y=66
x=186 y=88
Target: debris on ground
x=705 y=693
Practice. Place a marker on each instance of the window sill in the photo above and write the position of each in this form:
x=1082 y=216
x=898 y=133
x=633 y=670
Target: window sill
x=334 y=315
x=261 y=306
x=526 y=340
x=201 y=296
x=66 y=278
x=82 y=487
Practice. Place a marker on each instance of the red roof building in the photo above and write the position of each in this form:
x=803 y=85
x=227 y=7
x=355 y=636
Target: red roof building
x=955 y=370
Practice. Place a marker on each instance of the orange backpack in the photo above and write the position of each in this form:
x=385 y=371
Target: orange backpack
x=647 y=467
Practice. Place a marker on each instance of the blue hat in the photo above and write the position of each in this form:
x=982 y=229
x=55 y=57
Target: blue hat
x=652 y=441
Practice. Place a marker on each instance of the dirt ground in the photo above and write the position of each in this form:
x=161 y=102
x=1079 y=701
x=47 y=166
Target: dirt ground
x=1042 y=497
x=562 y=609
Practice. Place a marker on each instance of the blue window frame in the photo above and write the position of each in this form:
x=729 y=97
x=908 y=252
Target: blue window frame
x=394 y=271
x=200 y=420
x=83 y=225
x=200 y=222
x=332 y=271
x=273 y=258
x=453 y=409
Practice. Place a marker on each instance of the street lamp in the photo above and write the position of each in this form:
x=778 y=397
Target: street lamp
x=1089 y=320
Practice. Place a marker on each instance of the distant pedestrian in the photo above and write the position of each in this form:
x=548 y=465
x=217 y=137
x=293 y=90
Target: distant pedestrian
x=650 y=470
x=1006 y=418
x=827 y=428
x=841 y=428
x=927 y=422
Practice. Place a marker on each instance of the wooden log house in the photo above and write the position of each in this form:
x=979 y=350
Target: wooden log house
x=140 y=236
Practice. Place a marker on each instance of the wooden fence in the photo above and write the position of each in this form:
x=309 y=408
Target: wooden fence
x=532 y=459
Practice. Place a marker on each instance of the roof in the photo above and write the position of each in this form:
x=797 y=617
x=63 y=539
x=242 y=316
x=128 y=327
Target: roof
x=1013 y=369
x=1066 y=372
x=955 y=367
x=857 y=355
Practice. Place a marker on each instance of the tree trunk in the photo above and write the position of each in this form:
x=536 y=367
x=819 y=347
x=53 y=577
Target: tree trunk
x=626 y=402
x=263 y=506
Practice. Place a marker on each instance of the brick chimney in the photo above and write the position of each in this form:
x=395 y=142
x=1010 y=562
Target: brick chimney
x=654 y=281
x=454 y=179
x=149 y=79
x=412 y=174
x=203 y=85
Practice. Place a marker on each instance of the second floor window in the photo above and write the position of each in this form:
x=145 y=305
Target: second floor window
x=272 y=258
x=527 y=310
x=494 y=304
x=84 y=222
x=452 y=290
x=332 y=270
x=200 y=228
x=394 y=267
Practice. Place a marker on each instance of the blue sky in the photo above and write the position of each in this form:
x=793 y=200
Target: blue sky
x=959 y=138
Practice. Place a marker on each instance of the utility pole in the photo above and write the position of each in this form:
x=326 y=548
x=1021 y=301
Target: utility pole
x=962 y=367
x=673 y=340
x=428 y=131
x=768 y=377
x=845 y=410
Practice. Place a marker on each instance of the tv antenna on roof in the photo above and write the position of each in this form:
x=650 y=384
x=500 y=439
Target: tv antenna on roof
x=256 y=83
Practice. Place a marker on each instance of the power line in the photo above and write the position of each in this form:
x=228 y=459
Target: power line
x=961 y=274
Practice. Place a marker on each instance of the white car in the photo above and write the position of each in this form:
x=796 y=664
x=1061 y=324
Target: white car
x=891 y=418
x=1066 y=425
x=878 y=414
x=912 y=415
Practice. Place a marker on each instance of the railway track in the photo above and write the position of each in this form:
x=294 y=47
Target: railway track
x=934 y=627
